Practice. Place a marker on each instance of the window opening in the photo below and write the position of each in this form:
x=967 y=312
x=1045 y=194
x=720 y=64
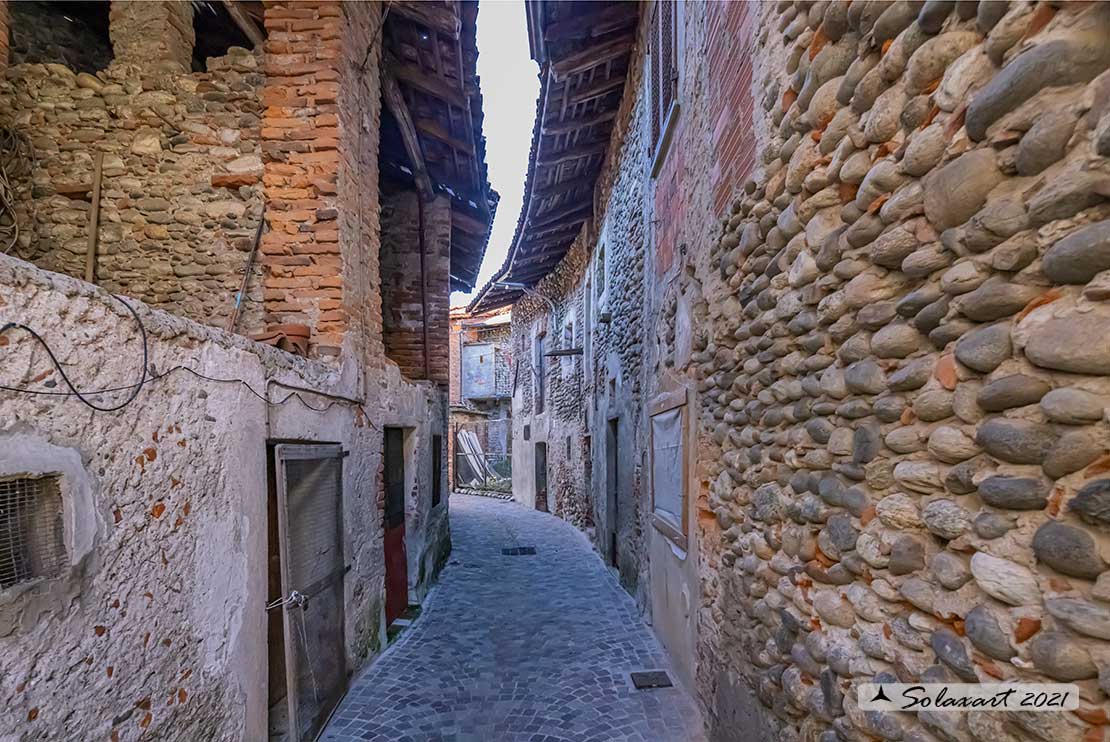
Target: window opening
x=32 y=536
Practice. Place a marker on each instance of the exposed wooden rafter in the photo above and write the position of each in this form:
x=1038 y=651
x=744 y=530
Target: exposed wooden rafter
x=245 y=23
x=583 y=122
x=576 y=152
x=426 y=83
x=433 y=14
x=391 y=92
x=590 y=57
x=594 y=24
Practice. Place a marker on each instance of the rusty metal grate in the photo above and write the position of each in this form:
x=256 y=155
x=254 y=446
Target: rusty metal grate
x=32 y=539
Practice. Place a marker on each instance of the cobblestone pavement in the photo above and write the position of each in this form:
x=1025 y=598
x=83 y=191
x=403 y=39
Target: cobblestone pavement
x=518 y=648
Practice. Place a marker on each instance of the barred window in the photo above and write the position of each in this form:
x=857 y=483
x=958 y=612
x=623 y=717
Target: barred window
x=663 y=49
x=32 y=537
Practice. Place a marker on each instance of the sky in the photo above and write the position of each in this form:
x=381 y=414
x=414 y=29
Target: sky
x=510 y=86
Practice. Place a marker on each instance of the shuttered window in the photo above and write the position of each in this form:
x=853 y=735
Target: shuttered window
x=664 y=70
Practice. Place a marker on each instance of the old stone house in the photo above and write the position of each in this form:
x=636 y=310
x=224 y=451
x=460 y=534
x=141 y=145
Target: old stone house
x=809 y=312
x=203 y=535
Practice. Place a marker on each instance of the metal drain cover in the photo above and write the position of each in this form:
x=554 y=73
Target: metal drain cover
x=651 y=679
x=519 y=551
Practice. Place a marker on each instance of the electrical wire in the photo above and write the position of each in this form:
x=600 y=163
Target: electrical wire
x=16 y=153
x=61 y=371
x=151 y=375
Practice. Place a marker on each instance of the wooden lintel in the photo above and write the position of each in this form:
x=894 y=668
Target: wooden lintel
x=436 y=16
x=589 y=57
x=245 y=23
x=437 y=131
x=391 y=92
x=594 y=90
x=568 y=125
x=576 y=152
x=426 y=83
x=592 y=25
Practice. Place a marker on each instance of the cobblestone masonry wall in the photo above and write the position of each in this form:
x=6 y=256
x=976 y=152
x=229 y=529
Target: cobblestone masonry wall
x=906 y=379
x=181 y=194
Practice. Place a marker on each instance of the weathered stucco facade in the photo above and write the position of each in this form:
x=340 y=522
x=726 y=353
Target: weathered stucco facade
x=156 y=623
x=871 y=258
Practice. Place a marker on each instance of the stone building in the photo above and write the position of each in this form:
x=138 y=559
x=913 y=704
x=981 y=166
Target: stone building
x=214 y=534
x=827 y=286
x=480 y=392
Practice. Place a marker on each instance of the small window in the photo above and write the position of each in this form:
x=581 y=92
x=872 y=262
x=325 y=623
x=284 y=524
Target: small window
x=32 y=537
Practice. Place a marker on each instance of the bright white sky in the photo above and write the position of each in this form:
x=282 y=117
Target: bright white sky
x=510 y=86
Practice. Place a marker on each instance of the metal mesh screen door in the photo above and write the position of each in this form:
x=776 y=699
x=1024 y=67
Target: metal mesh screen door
x=310 y=520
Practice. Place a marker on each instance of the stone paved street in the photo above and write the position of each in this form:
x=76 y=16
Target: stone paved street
x=518 y=648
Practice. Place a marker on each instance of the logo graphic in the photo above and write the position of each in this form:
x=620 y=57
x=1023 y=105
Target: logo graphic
x=968 y=696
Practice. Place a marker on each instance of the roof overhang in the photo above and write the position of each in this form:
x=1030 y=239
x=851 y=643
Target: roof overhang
x=583 y=49
x=432 y=120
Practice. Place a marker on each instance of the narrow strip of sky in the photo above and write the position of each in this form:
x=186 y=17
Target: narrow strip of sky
x=510 y=85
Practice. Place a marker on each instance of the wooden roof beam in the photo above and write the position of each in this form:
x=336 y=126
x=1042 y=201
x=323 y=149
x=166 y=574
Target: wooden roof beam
x=437 y=131
x=574 y=153
x=590 y=57
x=433 y=86
x=594 y=90
x=583 y=122
x=391 y=92
x=557 y=189
x=566 y=213
x=245 y=23
x=593 y=24
x=436 y=16
x=466 y=223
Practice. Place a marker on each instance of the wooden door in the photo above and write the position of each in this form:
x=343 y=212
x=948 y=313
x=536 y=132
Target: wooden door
x=396 y=560
x=541 y=477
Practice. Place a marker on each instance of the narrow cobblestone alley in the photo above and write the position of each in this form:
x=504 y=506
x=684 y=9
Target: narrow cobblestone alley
x=515 y=648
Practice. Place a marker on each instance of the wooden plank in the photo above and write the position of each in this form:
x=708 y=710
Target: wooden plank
x=596 y=89
x=435 y=16
x=439 y=132
x=433 y=86
x=589 y=57
x=245 y=23
x=94 y=218
x=468 y=224
x=574 y=153
x=574 y=124
x=565 y=213
x=592 y=25
x=391 y=92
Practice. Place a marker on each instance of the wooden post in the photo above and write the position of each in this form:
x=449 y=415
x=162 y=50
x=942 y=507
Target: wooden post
x=94 y=219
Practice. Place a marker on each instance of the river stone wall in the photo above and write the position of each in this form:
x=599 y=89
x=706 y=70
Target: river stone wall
x=909 y=366
x=182 y=178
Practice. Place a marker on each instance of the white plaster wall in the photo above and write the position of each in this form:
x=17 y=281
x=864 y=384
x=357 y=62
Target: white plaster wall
x=161 y=630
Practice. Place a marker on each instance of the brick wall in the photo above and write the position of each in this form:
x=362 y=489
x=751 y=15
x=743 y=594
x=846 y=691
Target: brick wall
x=729 y=44
x=300 y=147
x=3 y=34
x=403 y=296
